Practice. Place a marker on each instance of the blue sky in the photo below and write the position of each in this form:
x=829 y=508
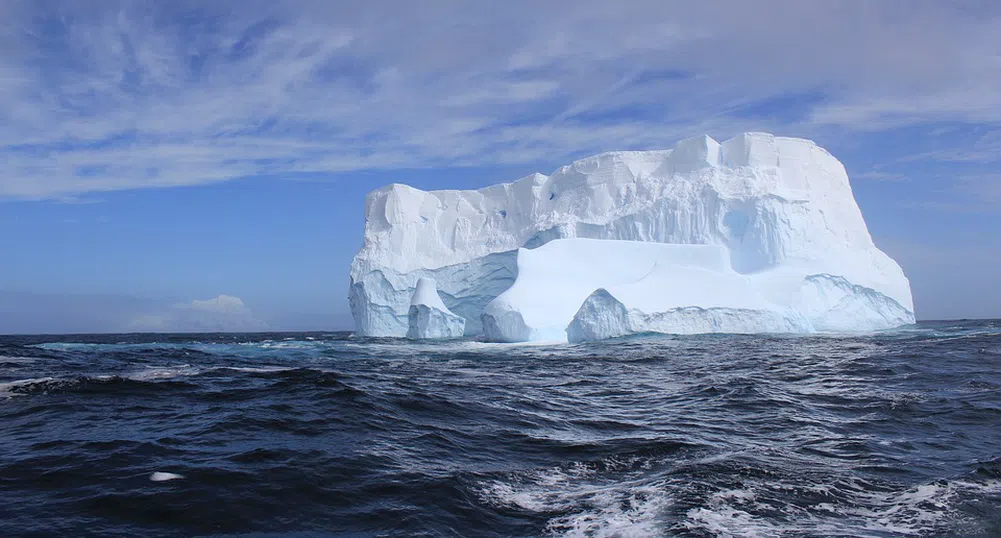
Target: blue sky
x=187 y=165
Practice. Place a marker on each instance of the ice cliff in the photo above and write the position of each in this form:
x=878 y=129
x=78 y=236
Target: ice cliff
x=757 y=234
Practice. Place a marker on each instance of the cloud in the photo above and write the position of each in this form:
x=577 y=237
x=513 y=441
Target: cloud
x=876 y=175
x=221 y=314
x=985 y=149
x=113 y=96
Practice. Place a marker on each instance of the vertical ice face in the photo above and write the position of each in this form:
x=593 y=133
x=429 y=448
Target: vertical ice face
x=428 y=318
x=776 y=206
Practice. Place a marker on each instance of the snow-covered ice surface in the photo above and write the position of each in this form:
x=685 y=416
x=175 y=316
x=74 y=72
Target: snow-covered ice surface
x=429 y=317
x=757 y=234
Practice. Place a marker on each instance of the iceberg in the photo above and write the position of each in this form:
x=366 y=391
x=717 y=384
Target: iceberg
x=428 y=316
x=757 y=234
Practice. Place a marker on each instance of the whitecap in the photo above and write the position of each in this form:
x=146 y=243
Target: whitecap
x=158 y=373
x=5 y=388
x=18 y=360
x=256 y=369
x=591 y=503
x=634 y=512
x=917 y=511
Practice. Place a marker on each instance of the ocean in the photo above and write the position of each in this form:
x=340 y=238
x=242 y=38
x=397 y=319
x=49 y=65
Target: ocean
x=323 y=434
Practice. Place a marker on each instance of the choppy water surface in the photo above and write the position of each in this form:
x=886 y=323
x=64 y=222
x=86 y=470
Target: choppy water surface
x=894 y=434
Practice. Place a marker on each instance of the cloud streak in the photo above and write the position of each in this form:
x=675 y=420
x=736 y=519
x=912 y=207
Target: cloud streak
x=105 y=97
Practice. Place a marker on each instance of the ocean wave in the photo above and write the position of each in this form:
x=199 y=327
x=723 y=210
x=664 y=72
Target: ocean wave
x=18 y=360
x=21 y=386
x=107 y=383
x=147 y=375
x=108 y=346
x=607 y=498
x=257 y=369
x=155 y=373
x=758 y=510
x=871 y=436
x=639 y=496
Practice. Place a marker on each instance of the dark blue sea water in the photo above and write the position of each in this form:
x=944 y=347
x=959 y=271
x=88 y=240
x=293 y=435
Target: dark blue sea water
x=892 y=434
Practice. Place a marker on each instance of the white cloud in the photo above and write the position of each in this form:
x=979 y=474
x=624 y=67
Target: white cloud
x=155 y=94
x=220 y=314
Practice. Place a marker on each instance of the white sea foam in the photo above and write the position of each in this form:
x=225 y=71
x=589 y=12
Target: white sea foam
x=70 y=346
x=593 y=505
x=257 y=369
x=59 y=346
x=150 y=374
x=157 y=373
x=5 y=388
x=615 y=513
x=285 y=344
x=918 y=511
x=18 y=360
x=450 y=346
x=621 y=499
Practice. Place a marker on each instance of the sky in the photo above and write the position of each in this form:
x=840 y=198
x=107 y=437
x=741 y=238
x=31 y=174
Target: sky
x=203 y=165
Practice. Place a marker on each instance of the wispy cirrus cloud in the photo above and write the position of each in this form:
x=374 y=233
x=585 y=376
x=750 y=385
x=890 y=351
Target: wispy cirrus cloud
x=114 y=96
x=984 y=149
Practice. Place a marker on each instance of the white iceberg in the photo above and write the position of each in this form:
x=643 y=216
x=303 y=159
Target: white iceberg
x=758 y=234
x=428 y=316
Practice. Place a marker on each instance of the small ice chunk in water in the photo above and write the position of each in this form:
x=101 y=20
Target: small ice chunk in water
x=163 y=477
